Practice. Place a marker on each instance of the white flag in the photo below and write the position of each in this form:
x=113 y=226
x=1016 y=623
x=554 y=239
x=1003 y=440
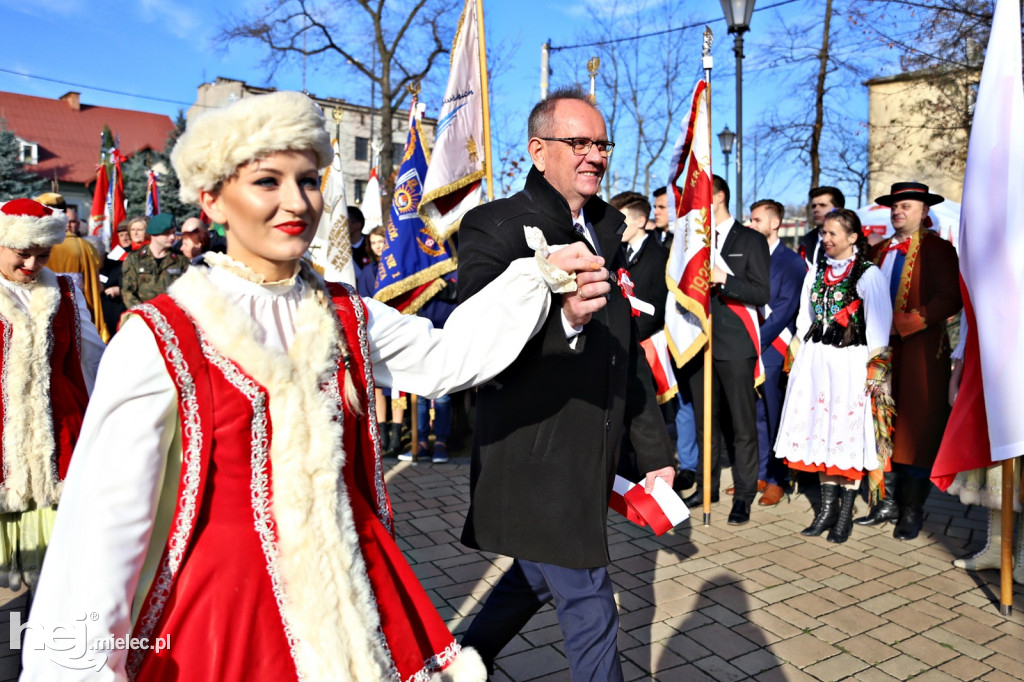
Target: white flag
x=372 y=214
x=991 y=234
x=331 y=248
x=453 y=182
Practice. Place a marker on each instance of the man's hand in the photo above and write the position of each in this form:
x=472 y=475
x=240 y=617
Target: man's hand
x=718 y=275
x=668 y=474
x=591 y=282
x=113 y=292
x=908 y=323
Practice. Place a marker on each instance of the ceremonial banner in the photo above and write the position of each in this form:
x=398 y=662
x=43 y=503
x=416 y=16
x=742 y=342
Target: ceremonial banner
x=453 y=182
x=98 y=213
x=372 y=216
x=152 y=193
x=413 y=261
x=985 y=425
x=115 y=208
x=689 y=271
x=331 y=248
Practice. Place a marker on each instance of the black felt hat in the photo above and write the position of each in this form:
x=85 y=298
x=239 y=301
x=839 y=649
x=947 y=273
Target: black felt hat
x=909 y=190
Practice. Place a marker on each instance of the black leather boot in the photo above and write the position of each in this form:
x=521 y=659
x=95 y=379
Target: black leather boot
x=887 y=508
x=914 y=492
x=395 y=444
x=827 y=514
x=844 y=524
x=385 y=437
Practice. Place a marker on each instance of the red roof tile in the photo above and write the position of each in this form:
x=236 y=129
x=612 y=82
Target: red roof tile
x=69 y=140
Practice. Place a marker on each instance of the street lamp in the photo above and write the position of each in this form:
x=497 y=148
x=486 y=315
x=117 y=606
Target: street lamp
x=726 y=138
x=737 y=15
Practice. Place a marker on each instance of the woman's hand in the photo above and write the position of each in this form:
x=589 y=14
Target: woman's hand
x=113 y=292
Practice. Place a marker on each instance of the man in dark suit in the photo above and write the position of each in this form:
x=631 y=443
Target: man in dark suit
x=740 y=277
x=360 y=245
x=787 y=278
x=646 y=261
x=822 y=200
x=661 y=231
x=549 y=428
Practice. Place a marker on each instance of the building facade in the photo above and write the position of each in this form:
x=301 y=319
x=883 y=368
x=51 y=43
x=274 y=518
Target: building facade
x=358 y=127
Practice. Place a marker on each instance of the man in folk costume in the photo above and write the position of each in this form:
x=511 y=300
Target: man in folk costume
x=227 y=493
x=49 y=351
x=549 y=428
x=922 y=270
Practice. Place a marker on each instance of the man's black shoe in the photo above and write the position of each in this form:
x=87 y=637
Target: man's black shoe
x=740 y=513
x=684 y=480
x=697 y=499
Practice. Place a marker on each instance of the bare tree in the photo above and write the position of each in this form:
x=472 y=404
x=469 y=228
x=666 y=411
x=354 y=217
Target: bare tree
x=641 y=86
x=943 y=48
x=392 y=45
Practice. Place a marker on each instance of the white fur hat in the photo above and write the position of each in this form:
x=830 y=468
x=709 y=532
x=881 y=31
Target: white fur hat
x=217 y=142
x=25 y=224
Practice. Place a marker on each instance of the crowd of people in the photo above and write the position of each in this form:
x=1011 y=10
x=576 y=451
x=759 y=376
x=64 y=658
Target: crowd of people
x=222 y=464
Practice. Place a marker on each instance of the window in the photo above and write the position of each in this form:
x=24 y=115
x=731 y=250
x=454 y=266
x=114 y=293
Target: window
x=29 y=152
x=360 y=190
x=362 y=149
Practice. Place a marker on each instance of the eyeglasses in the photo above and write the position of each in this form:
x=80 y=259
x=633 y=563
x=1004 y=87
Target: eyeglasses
x=581 y=145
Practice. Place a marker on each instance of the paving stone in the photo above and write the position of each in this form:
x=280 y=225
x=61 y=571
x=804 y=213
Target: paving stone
x=868 y=649
x=925 y=649
x=804 y=650
x=533 y=663
x=903 y=667
x=963 y=668
x=836 y=668
x=852 y=620
x=719 y=669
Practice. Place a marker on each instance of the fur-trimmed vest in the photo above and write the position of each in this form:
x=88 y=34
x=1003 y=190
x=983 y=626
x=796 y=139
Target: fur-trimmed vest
x=44 y=392
x=318 y=516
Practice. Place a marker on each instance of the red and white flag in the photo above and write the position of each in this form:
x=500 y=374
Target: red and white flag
x=985 y=425
x=453 y=182
x=689 y=267
x=660 y=360
x=662 y=510
x=98 y=213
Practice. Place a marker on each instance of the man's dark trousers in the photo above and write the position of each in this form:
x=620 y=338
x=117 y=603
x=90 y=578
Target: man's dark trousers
x=733 y=382
x=586 y=613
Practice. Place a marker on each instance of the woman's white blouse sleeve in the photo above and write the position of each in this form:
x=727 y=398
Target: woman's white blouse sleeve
x=874 y=291
x=106 y=513
x=481 y=337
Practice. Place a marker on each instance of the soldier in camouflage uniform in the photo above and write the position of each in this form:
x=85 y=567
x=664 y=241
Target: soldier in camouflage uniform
x=149 y=271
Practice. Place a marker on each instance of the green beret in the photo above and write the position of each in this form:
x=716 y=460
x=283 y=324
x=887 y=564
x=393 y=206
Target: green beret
x=160 y=223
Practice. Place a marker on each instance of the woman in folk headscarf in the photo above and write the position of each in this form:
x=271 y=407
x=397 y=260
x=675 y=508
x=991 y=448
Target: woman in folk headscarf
x=244 y=518
x=49 y=351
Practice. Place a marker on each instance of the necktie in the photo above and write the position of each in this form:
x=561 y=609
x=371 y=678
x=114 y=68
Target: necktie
x=629 y=254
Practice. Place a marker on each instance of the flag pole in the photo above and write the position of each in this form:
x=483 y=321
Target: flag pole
x=1006 y=548
x=485 y=100
x=707 y=63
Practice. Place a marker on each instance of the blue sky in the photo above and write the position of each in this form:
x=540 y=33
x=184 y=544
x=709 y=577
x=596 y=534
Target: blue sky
x=164 y=49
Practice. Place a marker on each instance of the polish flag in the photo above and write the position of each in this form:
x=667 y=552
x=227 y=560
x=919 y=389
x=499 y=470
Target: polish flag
x=662 y=510
x=985 y=425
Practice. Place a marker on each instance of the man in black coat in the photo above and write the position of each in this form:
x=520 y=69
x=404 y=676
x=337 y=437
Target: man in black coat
x=549 y=427
x=740 y=277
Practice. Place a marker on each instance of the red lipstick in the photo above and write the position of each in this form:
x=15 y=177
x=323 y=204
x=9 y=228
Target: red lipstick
x=294 y=227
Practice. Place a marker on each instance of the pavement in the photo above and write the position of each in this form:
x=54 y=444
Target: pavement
x=725 y=603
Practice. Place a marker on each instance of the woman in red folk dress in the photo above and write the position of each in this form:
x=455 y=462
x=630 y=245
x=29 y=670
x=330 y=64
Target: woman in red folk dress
x=838 y=386
x=227 y=501
x=49 y=351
